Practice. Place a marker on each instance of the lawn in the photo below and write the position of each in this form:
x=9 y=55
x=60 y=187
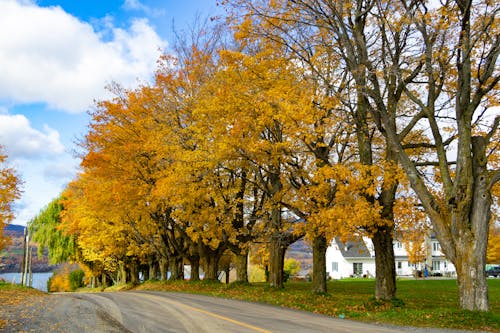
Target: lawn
x=423 y=303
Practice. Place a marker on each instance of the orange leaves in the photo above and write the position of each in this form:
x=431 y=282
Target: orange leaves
x=9 y=192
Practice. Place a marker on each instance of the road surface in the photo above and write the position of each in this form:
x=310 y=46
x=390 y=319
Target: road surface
x=177 y=312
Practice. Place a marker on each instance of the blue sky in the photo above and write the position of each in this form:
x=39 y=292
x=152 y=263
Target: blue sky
x=56 y=57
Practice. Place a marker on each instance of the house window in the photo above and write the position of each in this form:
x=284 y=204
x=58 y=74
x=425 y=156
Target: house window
x=436 y=246
x=399 y=245
x=409 y=264
x=335 y=266
x=400 y=265
x=357 y=268
x=436 y=265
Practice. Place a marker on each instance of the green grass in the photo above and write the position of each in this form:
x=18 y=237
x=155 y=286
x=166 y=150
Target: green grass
x=422 y=303
x=5 y=285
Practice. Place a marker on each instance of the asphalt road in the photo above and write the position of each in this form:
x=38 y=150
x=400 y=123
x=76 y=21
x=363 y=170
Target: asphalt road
x=177 y=312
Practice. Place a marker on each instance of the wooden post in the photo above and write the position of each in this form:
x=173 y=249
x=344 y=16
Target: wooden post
x=24 y=256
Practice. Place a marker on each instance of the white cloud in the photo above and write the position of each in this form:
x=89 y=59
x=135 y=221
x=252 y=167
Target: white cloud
x=136 y=5
x=60 y=171
x=23 y=141
x=52 y=57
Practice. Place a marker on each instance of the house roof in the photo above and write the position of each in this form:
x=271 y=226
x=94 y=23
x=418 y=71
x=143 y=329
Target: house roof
x=353 y=248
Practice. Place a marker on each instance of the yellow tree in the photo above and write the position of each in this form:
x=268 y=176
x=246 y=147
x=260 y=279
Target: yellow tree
x=303 y=29
x=9 y=192
x=250 y=115
x=493 y=253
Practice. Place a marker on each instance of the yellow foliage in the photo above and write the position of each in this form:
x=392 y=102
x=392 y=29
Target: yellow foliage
x=59 y=282
x=493 y=252
x=9 y=192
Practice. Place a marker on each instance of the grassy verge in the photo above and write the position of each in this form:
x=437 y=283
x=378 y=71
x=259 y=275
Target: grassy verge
x=422 y=303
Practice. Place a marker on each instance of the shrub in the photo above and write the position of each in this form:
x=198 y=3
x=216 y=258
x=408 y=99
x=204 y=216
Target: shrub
x=76 y=279
x=58 y=282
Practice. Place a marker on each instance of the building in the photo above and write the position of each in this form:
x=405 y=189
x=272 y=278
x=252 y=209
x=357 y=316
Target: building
x=356 y=258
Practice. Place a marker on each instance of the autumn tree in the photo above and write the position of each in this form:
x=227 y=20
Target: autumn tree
x=312 y=33
x=246 y=109
x=9 y=192
x=459 y=61
x=444 y=59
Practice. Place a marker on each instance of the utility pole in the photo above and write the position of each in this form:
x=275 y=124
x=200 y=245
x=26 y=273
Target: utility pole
x=24 y=256
x=30 y=260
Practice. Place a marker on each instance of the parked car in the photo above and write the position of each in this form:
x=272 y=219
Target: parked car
x=493 y=271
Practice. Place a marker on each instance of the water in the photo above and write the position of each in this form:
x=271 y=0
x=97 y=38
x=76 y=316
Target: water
x=39 y=279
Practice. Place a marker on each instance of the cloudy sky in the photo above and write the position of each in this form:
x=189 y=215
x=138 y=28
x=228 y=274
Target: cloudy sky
x=56 y=57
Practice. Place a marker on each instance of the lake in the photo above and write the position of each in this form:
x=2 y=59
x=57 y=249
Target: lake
x=39 y=279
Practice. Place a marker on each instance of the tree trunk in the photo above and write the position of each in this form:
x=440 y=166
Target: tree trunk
x=277 y=251
x=134 y=273
x=471 y=277
x=320 y=245
x=163 y=264
x=195 y=268
x=104 y=280
x=471 y=245
x=153 y=269
x=122 y=273
x=242 y=267
x=211 y=264
x=177 y=269
x=385 y=269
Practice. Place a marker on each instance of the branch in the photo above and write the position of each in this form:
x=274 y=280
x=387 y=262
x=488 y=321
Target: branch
x=495 y=177
x=494 y=128
x=419 y=145
x=412 y=124
x=432 y=163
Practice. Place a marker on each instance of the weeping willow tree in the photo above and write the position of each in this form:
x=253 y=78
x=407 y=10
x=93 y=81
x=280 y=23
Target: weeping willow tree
x=44 y=228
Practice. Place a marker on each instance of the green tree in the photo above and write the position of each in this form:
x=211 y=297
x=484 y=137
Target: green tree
x=45 y=228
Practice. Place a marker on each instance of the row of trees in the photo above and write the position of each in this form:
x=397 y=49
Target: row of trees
x=315 y=119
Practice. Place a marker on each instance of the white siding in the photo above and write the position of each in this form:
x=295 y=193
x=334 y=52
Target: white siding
x=339 y=267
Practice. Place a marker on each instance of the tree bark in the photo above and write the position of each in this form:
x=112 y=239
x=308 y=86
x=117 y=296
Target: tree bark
x=153 y=270
x=277 y=249
x=472 y=234
x=122 y=273
x=163 y=265
x=471 y=277
x=195 y=268
x=242 y=267
x=211 y=264
x=320 y=245
x=134 y=273
x=177 y=268
x=385 y=270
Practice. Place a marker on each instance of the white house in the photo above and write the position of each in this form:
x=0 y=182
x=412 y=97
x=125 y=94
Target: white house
x=356 y=258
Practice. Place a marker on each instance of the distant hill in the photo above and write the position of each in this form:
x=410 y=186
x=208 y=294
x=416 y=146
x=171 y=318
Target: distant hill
x=301 y=251
x=11 y=257
x=14 y=230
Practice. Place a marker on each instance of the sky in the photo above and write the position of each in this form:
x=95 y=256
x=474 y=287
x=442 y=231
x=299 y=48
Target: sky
x=56 y=58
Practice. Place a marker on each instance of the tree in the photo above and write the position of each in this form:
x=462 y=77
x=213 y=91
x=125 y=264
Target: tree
x=292 y=266
x=45 y=228
x=316 y=35
x=9 y=192
x=459 y=59
x=429 y=66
